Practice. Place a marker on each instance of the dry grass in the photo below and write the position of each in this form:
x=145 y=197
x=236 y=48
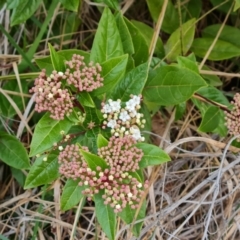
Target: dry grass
x=195 y=196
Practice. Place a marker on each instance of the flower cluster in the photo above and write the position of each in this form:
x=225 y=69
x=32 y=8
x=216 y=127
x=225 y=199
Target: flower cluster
x=53 y=94
x=121 y=154
x=50 y=96
x=124 y=120
x=232 y=118
x=120 y=186
x=82 y=77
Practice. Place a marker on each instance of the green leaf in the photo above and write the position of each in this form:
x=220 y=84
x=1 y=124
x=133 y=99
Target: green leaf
x=210 y=120
x=71 y=195
x=236 y=5
x=172 y=85
x=3 y=238
x=180 y=40
x=45 y=63
x=12 y=152
x=19 y=176
x=112 y=71
x=133 y=83
x=110 y=3
x=105 y=216
x=228 y=34
x=153 y=155
x=47 y=132
x=86 y=100
x=223 y=7
x=93 y=160
x=214 y=94
x=147 y=33
x=101 y=141
x=171 y=18
x=43 y=172
x=140 y=55
x=107 y=42
x=222 y=50
x=124 y=34
x=92 y=115
x=180 y=110
x=187 y=63
x=6 y=108
x=57 y=60
x=22 y=10
x=211 y=79
x=191 y=9
x=71 y=5
x=128 y=216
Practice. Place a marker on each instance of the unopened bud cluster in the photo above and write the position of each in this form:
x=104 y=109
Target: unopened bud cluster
x=125 y=120
x=120 y=186
x=50 y=96
x=81 y=76
x=54 y=93
x=233 y=118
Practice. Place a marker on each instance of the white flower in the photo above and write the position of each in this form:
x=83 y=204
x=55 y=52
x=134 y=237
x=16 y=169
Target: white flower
x=60 y=74
x=124 y=116
x=139 y=185
x=130 y=105
x=118 y=206
x=107 y=108
x=135 y=132
x=60 y=148
x=112 y=123
x=45 y=159
x=130 y=195
x=50 y=95
x=115 y=105
x=136 y=99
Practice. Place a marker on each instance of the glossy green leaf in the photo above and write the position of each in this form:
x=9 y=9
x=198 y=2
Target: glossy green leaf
x=93 y=115
x=101 y=141
x=57 y=60
x=107 y=42
x=124 y=34
x=93 y=160
x=22 y=10
x=112 y=71
x=210 y=120
x=140 y=55
x=180 y=40
x=128 y=216
x=12 y=152
x=228 y=34
x=222 y=50
x=171 y=18
x=43 y=172
x=6 y=109
x=71 y=5
x=133 y=83
x=86 y=100
x=187 y=63
x=105 y=216
x=172 y=85
x=71 y=195
x=47 y=132
x=153 y=155
x=147 y=33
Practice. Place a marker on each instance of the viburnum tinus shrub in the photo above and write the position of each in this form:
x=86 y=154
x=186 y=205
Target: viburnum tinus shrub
x=97 y=106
